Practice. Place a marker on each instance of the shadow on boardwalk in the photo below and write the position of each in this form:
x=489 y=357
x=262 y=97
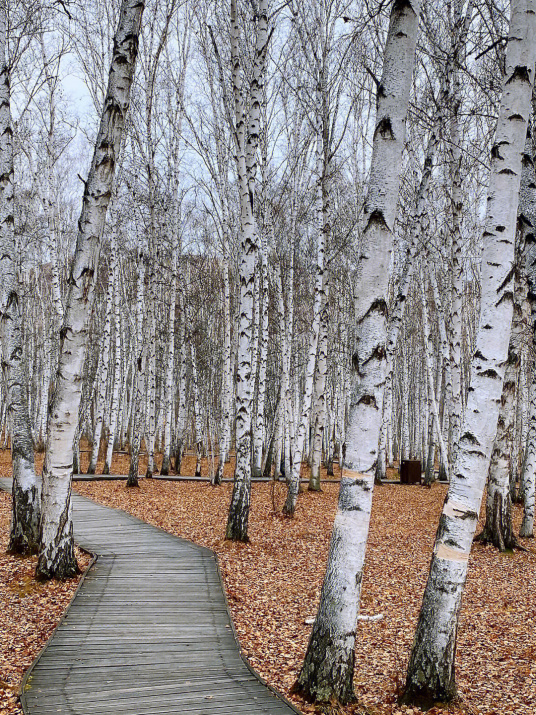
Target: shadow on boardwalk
x=148 y=631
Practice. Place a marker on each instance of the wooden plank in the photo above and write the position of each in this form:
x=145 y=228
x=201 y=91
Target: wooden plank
x=149 y=632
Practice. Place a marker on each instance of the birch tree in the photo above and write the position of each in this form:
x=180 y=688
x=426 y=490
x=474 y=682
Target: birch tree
x=431 y=675
x=24 y=532
x=327 y=671
x=56 y=555
x=246 y=138
x=527 y=221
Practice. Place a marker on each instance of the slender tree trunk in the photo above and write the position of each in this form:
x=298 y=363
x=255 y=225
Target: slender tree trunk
x=453 y=100
x=259 y=435
x=227 y=377
x=150 y=436
x=24 y=531
x=197 y=414
x=527 y=221
x=320 y=399
x=286 y=377
x=328 y=668
x=181 y=417
x=498 y=529
x=113 y=422
x=56 y=557
x=139 y=368
x=529 y=467
x=431 y=675
x=322 y=228
x=246 y=144
x=166 y=463
x=104 y=366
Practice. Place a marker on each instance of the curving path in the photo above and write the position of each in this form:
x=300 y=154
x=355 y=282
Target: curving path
x=147 y=633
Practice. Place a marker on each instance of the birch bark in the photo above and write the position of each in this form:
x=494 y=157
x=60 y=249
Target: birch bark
x=137 y=374
x=246 y=137
x=104 y=366
x=529 y=467
x=56 y=557
x=431 y=675
x=453 y=101
x=327 y=671
x=112 y=425
x=198 y=429
x=527 y=221
x=227 y=377
x=24 y=531
x=183 y=371
x=320 y=398
x=498 y=529
x=259 y=434
x=322 y=229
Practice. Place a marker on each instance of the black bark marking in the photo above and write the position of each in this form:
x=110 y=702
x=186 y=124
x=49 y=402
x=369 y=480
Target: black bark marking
x=520 y=73
x=377 y=217
x=385 y=129
x=490 y=373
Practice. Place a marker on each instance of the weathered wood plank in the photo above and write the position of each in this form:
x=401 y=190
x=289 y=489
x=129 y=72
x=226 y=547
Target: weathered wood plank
x=149 y=632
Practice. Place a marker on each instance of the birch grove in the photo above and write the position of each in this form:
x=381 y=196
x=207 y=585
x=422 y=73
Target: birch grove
x=245 y=241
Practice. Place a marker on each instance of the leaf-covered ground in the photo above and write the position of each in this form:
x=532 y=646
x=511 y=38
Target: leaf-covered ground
x=273 y=586
x=29 y=612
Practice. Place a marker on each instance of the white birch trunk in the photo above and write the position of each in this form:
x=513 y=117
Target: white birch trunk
x=42 y=416
x=327 y=671
x=529 y=467
x=498 y=529
x=227 y=377
x=320 y=398
x=24 y=531
x=137 y=375
x=113 y=422
x=104 y=366
x=259 y=433
x=431 y=674
x=166 y=464
x=56 y=557
x=139 y=384
x=198 y=428
x=527 y=221
x=287 y=364
x=428 y=350
x=246 y=143
x=322 y=228
x=454 y=100
x=150 y=436
x=183 y=371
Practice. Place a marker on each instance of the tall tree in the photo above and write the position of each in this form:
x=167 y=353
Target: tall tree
x=328 y=668
x=56 y=555
x=246 y=139
x=24 y=533
x=431 y=675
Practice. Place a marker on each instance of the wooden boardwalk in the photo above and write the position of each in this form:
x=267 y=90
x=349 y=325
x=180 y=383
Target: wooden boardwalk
x=147 y=633
x=182 y=478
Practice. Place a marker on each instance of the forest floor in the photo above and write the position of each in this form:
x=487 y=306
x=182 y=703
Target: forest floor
x=273 y=585
x=29 y=610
